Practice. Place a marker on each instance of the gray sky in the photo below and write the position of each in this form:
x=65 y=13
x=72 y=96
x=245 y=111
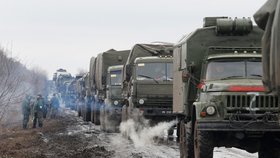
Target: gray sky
x=56 y=34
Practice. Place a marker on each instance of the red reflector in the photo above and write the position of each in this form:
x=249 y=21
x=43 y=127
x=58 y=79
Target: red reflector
x=203 y=114
x=246 y=88
x=200 y=85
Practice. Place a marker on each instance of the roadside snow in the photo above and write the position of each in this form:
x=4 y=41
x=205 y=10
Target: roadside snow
x=232 y=153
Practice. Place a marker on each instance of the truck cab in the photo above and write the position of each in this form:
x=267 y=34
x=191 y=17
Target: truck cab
x=114 y=99
x=218 y=91
x=152 y=83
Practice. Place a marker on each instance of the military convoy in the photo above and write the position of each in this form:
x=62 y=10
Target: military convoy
x=210 y=81
x=218 y=92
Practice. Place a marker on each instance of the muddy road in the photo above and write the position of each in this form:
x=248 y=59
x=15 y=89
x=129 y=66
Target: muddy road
x=69 y=136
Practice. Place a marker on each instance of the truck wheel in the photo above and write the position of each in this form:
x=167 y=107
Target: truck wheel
x=79 y=111
x=170 y=131
x=186 y=140
x=96 y=114
x=102 y=118
x=203 y=144
x=91 y=113
x=83 y=112
x=178 y=131
x=110 y=121
x=124 y=113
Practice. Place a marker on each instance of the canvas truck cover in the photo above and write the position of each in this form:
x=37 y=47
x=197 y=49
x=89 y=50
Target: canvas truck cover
x=103 y=61
x=92 y=66
x=143 y=50
x=268 y=18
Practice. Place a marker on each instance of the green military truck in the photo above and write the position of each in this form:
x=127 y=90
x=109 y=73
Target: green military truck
x=218 y=92
x=92 y=90
x=103 y=61
x=81 y=93
x=148 y=82
x=111 y=113
x=86 y=106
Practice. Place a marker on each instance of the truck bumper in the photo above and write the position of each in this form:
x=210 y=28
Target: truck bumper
x=244 y=126
x=161 y=112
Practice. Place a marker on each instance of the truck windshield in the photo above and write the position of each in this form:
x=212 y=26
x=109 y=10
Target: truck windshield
x=154 y=71
x=116 y=77
x=237 y=68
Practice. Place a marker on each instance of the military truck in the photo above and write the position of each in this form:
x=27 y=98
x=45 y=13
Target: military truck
x=72 y=93
x=218 y=93
x=70 y=99
x=111 y=113
x=88 y=99
x=92 y=90
x=81 y=93
x=147 y=83
x=103 y=61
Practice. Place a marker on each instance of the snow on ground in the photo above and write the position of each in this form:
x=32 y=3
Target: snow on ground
x=232 y=153
x=163 y=148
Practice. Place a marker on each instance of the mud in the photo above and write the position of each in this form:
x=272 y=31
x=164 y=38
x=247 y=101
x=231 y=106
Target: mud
x=55 y=139
x=70 y=137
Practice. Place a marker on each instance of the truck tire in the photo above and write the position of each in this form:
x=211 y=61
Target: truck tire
x=178 y=131
x=170 y=131
x=186 y=140
x=91 y=113
x=102 y=118
x=203 y=144
x=79 y=111
x=88 y=116
x=124 y=113
x=96 y=113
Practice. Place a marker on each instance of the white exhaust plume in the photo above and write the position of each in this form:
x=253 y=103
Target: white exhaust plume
x=142 y=134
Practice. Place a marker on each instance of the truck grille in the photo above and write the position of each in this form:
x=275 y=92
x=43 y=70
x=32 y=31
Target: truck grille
x=262 y=102
x=159 y=102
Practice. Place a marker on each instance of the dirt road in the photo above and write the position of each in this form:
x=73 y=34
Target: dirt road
x=69 y=136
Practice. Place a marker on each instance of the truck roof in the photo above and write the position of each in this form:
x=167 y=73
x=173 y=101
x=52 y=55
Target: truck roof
x=203 y=42
x=144 y=50
x=154 y=59
x=106 y=59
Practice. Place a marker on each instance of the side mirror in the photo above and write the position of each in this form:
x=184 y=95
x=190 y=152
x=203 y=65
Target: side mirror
x=185 y=75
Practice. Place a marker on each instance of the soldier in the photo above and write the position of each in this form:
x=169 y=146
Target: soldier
x=54 y=106
x=38 y=110
x=26 y=109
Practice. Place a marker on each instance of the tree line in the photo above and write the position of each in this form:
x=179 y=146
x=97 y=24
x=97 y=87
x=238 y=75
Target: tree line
x=17 y=81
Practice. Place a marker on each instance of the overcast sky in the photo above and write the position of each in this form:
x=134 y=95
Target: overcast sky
x=54 y=34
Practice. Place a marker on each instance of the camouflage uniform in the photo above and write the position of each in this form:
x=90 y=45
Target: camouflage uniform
x=26 y=109
x=38 y=110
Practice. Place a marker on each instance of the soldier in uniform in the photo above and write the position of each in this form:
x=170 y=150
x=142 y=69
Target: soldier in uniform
x=54 y=106
x=38 y=110
x=26 y=110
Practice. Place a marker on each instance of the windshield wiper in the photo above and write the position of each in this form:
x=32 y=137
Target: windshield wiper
x=149 y=78
x=230 y=77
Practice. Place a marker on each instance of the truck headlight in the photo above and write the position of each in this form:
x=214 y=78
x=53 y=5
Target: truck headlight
x=210 y=110
x=116 y=102
x=141 y=101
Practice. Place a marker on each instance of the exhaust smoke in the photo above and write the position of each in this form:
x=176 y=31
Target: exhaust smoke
x=142 y=134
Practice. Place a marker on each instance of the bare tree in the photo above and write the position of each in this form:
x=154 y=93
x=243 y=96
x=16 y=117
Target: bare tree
x=15 y=82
